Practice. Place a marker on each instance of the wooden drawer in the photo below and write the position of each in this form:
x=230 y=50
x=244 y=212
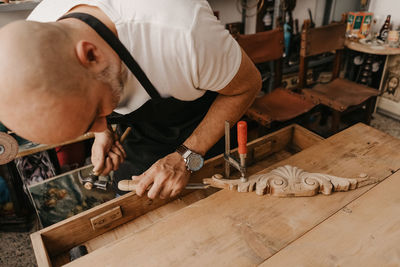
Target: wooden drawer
x=113 y=220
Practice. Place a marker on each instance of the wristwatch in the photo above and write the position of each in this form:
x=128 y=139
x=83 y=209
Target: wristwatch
x=193 y=161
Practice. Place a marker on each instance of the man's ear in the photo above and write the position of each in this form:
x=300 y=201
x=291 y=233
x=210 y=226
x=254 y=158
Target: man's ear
x=90 y=56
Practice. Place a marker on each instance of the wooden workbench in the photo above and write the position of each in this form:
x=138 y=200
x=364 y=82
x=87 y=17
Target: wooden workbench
x=357 y=228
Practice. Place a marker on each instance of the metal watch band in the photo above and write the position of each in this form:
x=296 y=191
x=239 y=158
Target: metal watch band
x=183 y=151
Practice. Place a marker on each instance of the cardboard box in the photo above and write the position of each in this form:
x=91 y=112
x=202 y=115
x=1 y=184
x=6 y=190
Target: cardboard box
x=366 y=24
x=358 y=24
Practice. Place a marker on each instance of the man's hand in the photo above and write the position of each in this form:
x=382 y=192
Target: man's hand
x=107 y=154
x=167 y=177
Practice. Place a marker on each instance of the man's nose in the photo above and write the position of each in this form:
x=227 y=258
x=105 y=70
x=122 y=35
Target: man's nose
x=99 y=125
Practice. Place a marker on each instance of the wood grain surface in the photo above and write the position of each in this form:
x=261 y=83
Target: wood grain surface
x=364 y=233
x=246 y=229
x=59 y=238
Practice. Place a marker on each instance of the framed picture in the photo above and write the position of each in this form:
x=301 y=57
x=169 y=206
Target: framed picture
x=63 y=196
x=389 y=101
x=391 y=89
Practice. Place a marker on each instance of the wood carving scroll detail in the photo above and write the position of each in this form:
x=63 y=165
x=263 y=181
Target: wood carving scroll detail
x=293 y=181
x=290 y=181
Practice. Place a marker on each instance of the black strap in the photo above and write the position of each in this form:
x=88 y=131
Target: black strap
x=119 y=48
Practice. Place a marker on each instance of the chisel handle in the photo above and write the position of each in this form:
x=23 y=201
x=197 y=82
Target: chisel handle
x=130 y=185
x=125 y=134
x=242 y=137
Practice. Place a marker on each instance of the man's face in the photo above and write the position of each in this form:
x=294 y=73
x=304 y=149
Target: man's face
x=48 y=119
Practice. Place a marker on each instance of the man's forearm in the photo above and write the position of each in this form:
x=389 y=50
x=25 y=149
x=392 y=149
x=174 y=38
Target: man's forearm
x=169 y=175
x=230 y=105
x=211 y=129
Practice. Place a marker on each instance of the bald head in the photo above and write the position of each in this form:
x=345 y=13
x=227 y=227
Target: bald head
x=46 y=90
x=40 y=57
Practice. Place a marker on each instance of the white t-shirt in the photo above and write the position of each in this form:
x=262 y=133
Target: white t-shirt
x=180 y=45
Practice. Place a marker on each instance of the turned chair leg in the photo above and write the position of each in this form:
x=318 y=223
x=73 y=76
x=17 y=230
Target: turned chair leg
x=369 y=109
x=335 y=121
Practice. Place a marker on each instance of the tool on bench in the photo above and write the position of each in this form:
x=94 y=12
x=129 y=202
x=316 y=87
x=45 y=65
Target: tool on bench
x=8 y=148
x=95 y=179
x=242 y=150
x=130 y=185
x=243 y=184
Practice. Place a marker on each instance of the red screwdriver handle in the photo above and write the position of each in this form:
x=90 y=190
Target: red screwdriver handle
x=242 y=137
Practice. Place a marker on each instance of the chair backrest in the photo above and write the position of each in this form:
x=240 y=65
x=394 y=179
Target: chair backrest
x=263 y=47
x=315 y=41
x=323 y=39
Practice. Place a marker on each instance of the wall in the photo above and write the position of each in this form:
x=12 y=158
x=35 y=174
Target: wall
x=230 y=12
x=343 y=6
x=7 y=17
x=382 y=8
x=317 y=8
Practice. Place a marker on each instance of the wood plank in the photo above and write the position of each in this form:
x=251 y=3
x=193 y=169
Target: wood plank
x=73 y=231
x=157 y=214
x=60 y=260
x=77 y=229
x=27 y=149
x=303 y=138
x=227 y=227
x=245 y=228
x=257 y=150
x=364 y=233
x=145 y=220
x=135 y=225
x=152 y=217
x=42 y=258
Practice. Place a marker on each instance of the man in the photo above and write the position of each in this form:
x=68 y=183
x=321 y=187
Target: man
x=61 y=78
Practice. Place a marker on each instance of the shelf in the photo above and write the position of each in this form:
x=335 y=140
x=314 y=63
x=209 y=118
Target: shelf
x=384 y=50
x=19 y=6
x=29 y=148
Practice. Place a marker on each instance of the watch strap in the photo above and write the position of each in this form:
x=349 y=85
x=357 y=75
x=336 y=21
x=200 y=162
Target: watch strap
x=183 y=151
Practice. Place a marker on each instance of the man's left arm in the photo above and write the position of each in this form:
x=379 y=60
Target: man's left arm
x=169 y=175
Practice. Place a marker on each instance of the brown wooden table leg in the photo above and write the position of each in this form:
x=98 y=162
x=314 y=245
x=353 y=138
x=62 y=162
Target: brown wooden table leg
x=369 y=109
x=335 y=121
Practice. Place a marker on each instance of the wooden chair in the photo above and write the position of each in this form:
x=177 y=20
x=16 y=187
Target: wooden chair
x=340 y=95
x=281 y=104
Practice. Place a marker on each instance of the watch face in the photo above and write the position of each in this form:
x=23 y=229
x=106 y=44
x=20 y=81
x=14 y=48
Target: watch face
x=195 y=162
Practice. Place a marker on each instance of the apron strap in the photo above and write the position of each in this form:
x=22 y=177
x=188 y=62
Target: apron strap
x=119 y=48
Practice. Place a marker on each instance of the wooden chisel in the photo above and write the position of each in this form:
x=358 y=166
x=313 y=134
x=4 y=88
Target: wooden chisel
x=130 y=185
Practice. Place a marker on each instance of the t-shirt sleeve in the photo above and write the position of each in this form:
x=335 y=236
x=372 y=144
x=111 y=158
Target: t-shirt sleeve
x=216 y=56
x=49 y=11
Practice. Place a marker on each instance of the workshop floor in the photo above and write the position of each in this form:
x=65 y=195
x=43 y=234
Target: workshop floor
x=16 y=249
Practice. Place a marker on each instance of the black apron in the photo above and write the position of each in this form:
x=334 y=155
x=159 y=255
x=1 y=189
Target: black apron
x=160 y=125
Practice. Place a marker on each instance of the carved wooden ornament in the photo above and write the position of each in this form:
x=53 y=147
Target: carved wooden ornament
x=290 y=181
